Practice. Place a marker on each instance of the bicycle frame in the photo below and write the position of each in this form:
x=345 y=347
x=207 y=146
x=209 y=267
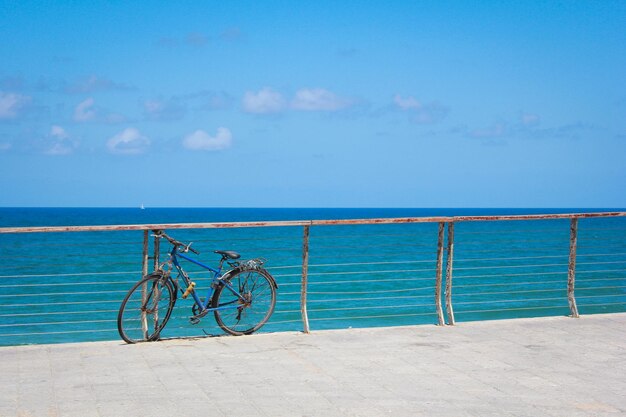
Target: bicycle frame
x=217 y=279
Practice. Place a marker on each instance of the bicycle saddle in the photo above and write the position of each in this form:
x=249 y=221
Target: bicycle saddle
x=228 y=254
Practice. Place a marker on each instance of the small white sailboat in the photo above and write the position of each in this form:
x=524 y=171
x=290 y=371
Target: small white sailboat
x=142 y=207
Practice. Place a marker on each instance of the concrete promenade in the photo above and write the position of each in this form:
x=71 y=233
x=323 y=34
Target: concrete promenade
x=554 y=366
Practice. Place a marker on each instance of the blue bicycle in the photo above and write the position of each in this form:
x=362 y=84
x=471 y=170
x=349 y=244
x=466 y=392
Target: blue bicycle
x=242 y=299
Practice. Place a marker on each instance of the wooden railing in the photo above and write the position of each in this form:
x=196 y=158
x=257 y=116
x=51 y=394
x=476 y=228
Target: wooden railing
x=444 y=253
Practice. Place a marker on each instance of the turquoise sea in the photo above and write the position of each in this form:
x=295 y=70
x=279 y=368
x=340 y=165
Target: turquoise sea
x=67 y=287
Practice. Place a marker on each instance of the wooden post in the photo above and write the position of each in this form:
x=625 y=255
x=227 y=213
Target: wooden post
x=146 y=243
x=144 y=287
x=571 y=270
x=157 y=250
x=156 y=295
x=439 y=273
x=450 y=251
x=305 y=278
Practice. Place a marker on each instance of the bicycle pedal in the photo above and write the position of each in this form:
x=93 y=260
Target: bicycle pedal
x=196 y=319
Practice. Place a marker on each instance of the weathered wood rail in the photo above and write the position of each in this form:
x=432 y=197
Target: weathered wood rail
x=442 y=292
x=225 y=225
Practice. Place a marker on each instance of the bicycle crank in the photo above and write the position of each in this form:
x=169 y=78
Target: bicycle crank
x=195 y=319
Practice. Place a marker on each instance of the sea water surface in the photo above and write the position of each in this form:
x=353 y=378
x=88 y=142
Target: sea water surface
x=67 y=287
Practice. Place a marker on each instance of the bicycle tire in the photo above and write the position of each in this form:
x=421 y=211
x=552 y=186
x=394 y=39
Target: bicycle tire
x=260 y=289
x=139 y=321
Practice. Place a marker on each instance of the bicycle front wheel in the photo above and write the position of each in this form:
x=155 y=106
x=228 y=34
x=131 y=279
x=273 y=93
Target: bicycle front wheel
x=246 y=314
x=146 y=309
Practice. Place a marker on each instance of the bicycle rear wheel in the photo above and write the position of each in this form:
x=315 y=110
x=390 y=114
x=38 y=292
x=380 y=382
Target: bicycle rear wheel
x=237 y=316
x=146 y=309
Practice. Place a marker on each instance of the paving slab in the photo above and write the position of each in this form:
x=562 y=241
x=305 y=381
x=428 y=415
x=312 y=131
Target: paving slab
x=555 y=366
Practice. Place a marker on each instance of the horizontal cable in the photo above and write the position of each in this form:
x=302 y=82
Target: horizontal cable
x=394 y=254
x=369 y=292
x=532 y=283
x=58 y=323
x=511 y=258
x=508 y=309
x=271 y=268
x=370 y=281
x=585 y=245
x=602 y=305
x=599 y=270
x=327 y=237
x=220 y=242
x=505 y=232
x=365 y=299
x=534 y=274
x=60 y=303
x=599 y=288
x=56 y=313
x=509 y=292
x=369 y=308
x=565 y=255
x=290 y=293
x=93 y=243
x=15 y=258
x=283 y=322
x=600 y=296
x=389 y=271
x=508 y=242
x=44 y=264
x=507 y=266
x=374 y=280
x=372 y=263
x=370 y=272
x=287 y=312
x=578 y=281
x=389 y=245
x=511 y=301
x=49 y=294
x=455 y=277
x=372 y=317
x=589 y=229
x=63 y=332
x=538 y=265
x=507 y=284
x=79 y=274
x=62 y=284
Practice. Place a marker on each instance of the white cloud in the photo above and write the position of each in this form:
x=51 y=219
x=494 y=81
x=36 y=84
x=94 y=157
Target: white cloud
x=202 y=141
x=11 y=104
x=264 y=101
x=84 y=111
x=95 y=83
x=421 y=113
x=163 y=110
x=495 y=131
x=61 y=142
x=318 y=99
x=58 y=132
x=406 y=103
x=129 y=141
x=196 y=39
x=231 y=34
x=529 y=119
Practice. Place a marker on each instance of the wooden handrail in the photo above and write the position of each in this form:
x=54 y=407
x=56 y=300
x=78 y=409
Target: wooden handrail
x=288 y=223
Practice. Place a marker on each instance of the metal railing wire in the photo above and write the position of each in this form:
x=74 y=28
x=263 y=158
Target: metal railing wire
x=65 y=283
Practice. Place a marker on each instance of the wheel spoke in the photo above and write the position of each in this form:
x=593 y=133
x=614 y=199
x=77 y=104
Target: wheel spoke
x=259 y=295
x=145 y=310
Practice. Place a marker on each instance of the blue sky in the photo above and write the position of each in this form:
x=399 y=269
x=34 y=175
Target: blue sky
x=313 y=104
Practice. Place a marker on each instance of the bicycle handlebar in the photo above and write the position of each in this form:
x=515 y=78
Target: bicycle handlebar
x=185 y=247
